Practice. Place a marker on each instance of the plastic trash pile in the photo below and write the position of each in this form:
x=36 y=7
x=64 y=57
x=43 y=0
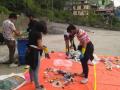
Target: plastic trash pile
x=74 y=55
x=59 y=78
x=111 y=62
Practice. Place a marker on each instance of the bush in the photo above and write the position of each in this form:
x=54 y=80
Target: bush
x=62 y=16
x=4 y=10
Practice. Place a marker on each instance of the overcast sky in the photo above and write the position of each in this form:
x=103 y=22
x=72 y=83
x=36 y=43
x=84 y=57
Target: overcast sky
x=116 y=3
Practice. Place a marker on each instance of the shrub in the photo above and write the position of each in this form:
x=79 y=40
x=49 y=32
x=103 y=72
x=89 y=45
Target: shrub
x=4 y=10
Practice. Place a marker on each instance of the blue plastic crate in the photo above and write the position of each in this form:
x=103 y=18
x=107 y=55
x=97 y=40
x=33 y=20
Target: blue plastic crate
x=22 y=46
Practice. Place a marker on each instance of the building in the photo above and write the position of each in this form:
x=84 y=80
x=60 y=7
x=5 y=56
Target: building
x=106 y=8
x=103 y=3
x=81 y=8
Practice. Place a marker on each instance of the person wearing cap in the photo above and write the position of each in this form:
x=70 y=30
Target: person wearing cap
x=85 y=46
x=9 y=32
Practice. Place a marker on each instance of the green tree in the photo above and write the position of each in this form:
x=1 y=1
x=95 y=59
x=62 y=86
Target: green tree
x=4 y=10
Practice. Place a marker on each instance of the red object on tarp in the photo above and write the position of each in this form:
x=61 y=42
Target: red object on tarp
x=106 y=80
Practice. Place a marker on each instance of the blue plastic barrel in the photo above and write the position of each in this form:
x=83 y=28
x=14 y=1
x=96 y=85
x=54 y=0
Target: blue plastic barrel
x=22 y=46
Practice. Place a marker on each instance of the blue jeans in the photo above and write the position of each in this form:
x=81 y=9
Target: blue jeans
x=34 y=73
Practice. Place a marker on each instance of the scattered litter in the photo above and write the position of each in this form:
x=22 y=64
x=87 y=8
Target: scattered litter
x=57 y=84
x=74 y=55
x=64 y=79
x=111 y=62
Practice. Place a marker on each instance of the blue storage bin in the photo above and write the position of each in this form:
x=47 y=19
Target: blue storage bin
x=22 y=60
x=22 y=46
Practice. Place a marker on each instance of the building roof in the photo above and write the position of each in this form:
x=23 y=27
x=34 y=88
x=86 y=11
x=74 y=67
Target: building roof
x=105 y=10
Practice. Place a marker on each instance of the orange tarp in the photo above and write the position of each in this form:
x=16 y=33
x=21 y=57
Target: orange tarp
x=106 y=80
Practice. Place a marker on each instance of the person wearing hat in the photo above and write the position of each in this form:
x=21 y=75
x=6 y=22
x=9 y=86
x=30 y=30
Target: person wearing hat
x=9 y=32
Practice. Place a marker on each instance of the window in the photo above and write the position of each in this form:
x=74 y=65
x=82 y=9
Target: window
x=82 y=2
x=82 y=6
x=76 y=7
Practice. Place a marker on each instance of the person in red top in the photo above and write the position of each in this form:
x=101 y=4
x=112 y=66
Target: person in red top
x=85 y=46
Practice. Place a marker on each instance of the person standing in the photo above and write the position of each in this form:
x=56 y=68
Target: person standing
x=35 y=46
x=85 y=46
x=33 y=58
x=35 y=25
x=9 y=32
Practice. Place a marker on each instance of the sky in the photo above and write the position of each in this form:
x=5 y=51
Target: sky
x=116 y=3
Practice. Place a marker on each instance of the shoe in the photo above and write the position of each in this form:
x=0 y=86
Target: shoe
x=27 y=67
x=82 y=75
x=84 y=80
x=13 y=65
x=90 y=63
x=41 y=87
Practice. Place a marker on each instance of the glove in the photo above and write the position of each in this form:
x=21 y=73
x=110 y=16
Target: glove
x=47 y=55
x=45 y=49
x=82 y=53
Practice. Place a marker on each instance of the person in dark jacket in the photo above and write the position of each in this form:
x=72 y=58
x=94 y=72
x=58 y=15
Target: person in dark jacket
x=33 y=57
x=34 y=25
